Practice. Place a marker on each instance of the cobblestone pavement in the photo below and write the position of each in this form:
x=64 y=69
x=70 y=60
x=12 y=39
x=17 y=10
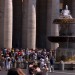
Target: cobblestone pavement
x=56 y=72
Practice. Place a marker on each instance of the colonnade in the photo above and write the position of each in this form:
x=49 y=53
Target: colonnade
x=28 y=23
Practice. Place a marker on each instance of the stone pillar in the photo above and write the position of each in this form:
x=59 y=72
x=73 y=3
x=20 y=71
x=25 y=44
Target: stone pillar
x=73 y=25
x=8 y=24
x=52 y=13
x=1 y=22
x=31 y=37
x=30 y=24
x=25 y=24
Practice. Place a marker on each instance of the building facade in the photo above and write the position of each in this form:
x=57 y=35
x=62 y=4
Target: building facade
x=28 y=23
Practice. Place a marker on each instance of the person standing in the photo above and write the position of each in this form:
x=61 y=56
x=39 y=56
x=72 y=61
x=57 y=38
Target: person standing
x=52 y=61
x=8 y=62
x=42 y=62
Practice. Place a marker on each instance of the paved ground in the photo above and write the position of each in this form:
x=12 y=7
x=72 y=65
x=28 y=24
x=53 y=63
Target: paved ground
x=67 y=72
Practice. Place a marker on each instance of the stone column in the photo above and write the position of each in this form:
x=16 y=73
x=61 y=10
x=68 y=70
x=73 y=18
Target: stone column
x=52 y=13
x=30 y=22
x=8 y=24
x=73 y=25
x=1 y=22
x=31 y=37
x=25 y=23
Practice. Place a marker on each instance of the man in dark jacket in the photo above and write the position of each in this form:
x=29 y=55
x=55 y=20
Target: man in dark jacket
x=52 y=64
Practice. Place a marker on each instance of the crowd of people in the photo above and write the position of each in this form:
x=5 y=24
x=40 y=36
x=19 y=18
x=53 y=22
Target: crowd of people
x=39 y=59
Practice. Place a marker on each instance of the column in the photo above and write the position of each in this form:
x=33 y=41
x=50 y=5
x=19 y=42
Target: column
x=25 y=23
x=1 y=22
x=73 y=25
x=8 y=24
x=31 y=37
x=30 y=24
x=52 y=29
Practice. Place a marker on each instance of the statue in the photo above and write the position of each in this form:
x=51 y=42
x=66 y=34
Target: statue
x=66 y=13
